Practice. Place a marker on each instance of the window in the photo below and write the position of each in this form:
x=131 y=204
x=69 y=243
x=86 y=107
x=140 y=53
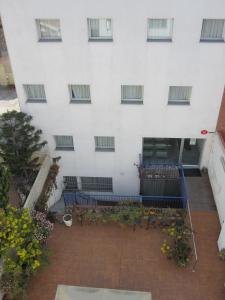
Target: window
x=104 y=143
x=80 y=93
x=49 y=29
x=100 y=29
x=64 y=142
x=98 y=184
x=213 y=30
x=179 y=95
x=160 y=29
x=35 y=92
x=132 y=94
x=70 y=182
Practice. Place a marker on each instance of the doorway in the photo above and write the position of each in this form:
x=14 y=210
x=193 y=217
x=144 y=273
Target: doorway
x=184 y=151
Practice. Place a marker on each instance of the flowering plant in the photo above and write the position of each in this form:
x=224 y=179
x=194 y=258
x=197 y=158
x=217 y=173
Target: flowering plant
x=21 y=252
x=43 y=227
x=178 y=248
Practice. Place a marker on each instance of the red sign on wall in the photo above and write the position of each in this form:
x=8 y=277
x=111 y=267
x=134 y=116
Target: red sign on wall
x=204 y=131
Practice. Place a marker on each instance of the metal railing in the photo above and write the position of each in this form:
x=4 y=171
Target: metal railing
x=162 y=173
x=84 y=199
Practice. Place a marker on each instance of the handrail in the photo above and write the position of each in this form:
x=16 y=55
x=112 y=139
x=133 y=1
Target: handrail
x=193 y=238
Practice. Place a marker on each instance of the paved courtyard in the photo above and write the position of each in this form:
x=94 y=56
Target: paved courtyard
x=108 y=256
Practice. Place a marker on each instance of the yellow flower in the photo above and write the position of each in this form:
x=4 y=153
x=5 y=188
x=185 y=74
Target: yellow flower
x=36 y=264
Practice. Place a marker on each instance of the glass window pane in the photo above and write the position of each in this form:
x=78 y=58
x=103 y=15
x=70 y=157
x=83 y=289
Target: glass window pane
x=49 y=29
x=192 y=151
x=35 y=92
x=104 y=143
x=179 y=94
x=99 y=184
x=100 y=28
x=80 y=92
x=212 y=29
x=131 y=92
x=161 y=150
x=160 y=28
x=64 y=141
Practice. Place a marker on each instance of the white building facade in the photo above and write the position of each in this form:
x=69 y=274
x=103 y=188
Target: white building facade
x=109 y=82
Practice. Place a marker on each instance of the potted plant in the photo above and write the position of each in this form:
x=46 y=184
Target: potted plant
x=67 y=219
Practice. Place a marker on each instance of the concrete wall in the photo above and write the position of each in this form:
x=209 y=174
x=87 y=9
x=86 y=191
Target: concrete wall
x=38 y=184
x=217 y=180
x=129 y=59
x=56 y=192
x=6 y=75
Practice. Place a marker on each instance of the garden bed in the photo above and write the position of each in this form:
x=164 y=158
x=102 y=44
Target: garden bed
x=172 y=222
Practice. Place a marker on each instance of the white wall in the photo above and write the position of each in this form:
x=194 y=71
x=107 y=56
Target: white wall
x=217 y=176
x=129 y=59
x=217 y=180
x=37 y=187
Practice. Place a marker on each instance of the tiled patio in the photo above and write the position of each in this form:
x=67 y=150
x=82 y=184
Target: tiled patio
x=108 y=256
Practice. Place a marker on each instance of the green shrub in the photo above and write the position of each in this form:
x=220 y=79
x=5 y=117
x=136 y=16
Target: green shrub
x=4 y=186
x=21 y=252
x=222 y=254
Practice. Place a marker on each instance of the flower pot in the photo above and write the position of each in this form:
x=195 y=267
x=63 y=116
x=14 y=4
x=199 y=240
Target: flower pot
x=67 y=219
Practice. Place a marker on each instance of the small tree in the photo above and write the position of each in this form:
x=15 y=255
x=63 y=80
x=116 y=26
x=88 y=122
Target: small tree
x=4 y=186
x=19 y=140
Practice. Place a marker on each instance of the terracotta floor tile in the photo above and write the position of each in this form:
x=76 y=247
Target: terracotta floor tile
x=111 y=257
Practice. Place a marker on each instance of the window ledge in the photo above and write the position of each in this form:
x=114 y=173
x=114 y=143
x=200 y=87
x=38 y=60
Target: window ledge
x=100 y=39
x=36 y=101
x=80 y=101
x=169 y=40
x=49 y=40
x=131 y=102
x=104 y=149
x=211 y=41
x=64 y=148
x=97 y=190
x=182 y=103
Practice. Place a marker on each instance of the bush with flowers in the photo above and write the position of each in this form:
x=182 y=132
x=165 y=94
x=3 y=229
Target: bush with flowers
x=178 y=248
x=43 y=226
x=21 y=251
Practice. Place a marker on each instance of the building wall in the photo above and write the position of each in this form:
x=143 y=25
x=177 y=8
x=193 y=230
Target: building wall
x=217 y=175
x=129 y=59
x=6 y=76
x=216 y=172
x=221 y=118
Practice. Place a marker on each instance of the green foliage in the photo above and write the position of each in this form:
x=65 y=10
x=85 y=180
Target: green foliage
x=222 y=254
x=21 y=251
x=19 y=140
x=50 y=183
x=180 y=252
x=178 y=248
x=4 y=186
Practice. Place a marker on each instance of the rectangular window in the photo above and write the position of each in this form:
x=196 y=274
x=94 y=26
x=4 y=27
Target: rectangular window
x=70 y=182
x=160 y=29
x=64 y=142
x=213 y=30
x=179 y=95
x=35 y=92
x=104 y=143
x=49 y=29
x=80 y=93
x=98 y=184
x=132 y=94
x=100 y=29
